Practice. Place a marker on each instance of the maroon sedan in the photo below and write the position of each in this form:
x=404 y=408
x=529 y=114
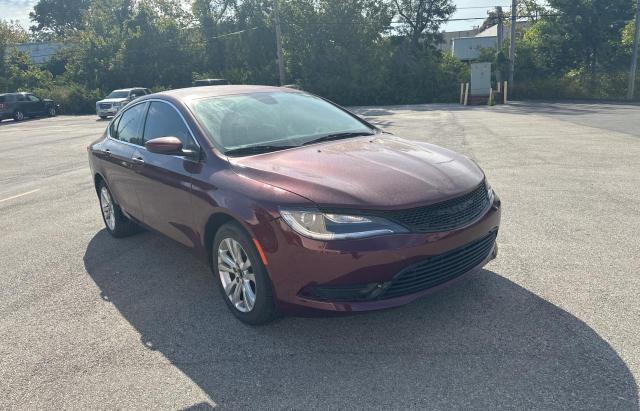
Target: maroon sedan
x=296 y=203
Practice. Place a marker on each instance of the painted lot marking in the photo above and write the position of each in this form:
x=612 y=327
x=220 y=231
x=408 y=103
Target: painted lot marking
x=20 y=195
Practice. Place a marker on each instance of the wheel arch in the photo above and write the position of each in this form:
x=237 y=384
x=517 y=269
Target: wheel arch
x=97 y=179
x=215 y=221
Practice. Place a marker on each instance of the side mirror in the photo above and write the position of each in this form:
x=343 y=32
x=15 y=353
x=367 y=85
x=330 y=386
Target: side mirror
x=134 y=96
x=165 y=145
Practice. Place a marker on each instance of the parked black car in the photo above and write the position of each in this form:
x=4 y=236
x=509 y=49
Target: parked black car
x=21 y=105
x=212 y=82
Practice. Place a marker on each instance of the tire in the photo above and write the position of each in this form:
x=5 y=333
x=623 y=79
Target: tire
x=51 y=111
x=116 y=223
x=103 y=117
x=263 y=310
x=18 y=115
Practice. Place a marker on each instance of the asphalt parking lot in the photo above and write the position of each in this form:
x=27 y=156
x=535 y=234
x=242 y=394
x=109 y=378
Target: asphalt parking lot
x=90 y=322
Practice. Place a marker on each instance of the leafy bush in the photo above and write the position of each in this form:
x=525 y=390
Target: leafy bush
x=574 y=85
x=73 y=98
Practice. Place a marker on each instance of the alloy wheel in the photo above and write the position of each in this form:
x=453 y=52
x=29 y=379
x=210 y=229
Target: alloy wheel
x=52 y=111
x=106 y=204
x=19 y=116
x=236 y=275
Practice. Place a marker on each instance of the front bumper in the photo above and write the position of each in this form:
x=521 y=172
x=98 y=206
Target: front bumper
x=107 y=112
x=299 y=267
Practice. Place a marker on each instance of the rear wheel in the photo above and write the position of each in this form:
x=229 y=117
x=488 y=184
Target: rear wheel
x=115 y=221
x=18 y=115
x=51 y=111
x=242 y=277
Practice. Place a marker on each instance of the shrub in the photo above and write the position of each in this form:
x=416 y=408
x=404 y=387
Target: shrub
x=73 y=98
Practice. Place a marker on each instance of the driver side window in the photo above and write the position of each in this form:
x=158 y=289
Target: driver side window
x=164 y=121
x=33 y=98
x=128 y=128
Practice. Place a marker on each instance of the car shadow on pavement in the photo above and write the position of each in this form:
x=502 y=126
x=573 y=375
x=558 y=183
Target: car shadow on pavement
x=485 y=343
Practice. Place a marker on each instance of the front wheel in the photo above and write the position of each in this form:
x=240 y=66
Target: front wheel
x=242 y=277
x=117 y=224
x=51 y=112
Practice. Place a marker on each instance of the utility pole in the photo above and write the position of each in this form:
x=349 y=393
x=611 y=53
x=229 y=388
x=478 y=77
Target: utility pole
x=276 y=19
x=500 y=42
x=634 y=57
x=512 y=48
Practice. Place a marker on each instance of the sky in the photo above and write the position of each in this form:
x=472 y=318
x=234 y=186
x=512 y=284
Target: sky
x=19 y=10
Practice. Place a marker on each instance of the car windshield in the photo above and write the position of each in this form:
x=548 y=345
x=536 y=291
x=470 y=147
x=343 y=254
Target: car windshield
x=118 y=94
x=273 y=119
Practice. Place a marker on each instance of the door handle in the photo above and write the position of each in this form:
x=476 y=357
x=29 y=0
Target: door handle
x=138 y=160
x=107 y=152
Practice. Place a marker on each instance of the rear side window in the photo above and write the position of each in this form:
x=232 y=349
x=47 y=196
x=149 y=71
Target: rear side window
x=113 y=128
x=33 y=98
x=22 y=97
x=128 y=128
x=164 y=121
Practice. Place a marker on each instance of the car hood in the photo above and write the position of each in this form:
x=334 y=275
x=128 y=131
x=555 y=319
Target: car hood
x=112 y=100
x=378 y=172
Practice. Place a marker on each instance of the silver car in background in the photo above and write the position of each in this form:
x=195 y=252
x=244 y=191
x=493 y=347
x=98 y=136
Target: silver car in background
x=117 y=99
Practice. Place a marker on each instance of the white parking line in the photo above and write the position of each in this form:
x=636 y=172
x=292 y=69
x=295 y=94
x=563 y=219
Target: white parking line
x=19 y=195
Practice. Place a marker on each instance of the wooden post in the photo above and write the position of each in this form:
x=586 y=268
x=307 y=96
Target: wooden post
x=490 y=97
x=466 y=95
x=461 y=93
x=506 y=90
x=499 y=86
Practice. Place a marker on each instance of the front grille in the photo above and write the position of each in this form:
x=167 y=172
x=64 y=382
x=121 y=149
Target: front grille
x=444 y=216
x=429 y=273
x=105 y=106
x=440 y=269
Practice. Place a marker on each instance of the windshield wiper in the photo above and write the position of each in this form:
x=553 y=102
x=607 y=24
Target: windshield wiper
x=337 y=136
x=256 y=150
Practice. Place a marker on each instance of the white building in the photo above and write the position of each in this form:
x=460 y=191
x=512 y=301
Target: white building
x=39 y=52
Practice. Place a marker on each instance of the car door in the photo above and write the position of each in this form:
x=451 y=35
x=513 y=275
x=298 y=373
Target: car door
x=125 y=138
x=36 y=105
x=23 y=104
x=164 y=181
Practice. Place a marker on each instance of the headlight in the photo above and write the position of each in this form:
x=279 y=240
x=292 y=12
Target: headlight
x=490 y=193
x=324 y=226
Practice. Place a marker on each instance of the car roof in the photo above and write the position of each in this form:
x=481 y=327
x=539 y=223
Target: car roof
x=194 y=93
x=212 y=79
x=128 y=89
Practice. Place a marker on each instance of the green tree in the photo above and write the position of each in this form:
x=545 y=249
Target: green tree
x=422 y=18
x=11 y=33
x=336 y=48
x=58 y=16
x=585 y=33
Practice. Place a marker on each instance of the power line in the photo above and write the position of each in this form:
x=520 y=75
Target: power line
x=352 y=23
x=234 y=33
x=479 y=7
